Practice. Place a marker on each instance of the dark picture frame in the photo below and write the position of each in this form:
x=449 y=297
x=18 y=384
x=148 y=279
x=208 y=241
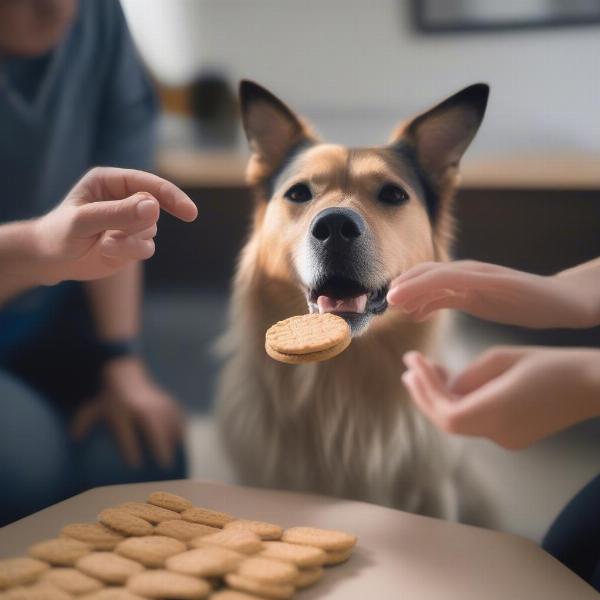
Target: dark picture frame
x=424 y=23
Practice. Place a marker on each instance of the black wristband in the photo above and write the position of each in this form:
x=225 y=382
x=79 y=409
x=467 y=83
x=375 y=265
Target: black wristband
x=109 y=350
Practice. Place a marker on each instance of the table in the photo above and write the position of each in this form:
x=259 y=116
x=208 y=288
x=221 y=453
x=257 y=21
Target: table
x=399 y=556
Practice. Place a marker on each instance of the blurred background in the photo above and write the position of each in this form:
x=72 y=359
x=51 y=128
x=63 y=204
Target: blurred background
x=530 y=195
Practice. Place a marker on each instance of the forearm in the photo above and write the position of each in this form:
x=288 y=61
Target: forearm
x=21 y=263
x=115 y=303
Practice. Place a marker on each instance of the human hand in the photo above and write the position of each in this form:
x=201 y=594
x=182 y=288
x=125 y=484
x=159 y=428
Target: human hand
x=131 y=403
x=494 y=293
x=514 y=396
x=107 y=221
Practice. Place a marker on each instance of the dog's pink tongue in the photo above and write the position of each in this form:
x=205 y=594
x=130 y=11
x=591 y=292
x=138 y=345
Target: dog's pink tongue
x=350 y=305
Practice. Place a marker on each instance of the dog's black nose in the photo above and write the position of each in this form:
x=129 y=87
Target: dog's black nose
x=337 y=227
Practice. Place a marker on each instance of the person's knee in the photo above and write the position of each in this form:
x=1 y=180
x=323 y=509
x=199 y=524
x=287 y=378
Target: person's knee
x=34 y=454
x=99 y=462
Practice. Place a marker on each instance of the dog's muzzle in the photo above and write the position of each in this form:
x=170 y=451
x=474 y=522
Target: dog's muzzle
x=340 y=268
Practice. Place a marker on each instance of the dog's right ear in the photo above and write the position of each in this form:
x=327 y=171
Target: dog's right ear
x=271 y=127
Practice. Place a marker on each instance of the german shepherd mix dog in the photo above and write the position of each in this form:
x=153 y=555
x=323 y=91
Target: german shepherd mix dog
x=332 y=227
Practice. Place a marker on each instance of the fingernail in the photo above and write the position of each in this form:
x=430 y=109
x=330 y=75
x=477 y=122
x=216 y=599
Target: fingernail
x=146 y=209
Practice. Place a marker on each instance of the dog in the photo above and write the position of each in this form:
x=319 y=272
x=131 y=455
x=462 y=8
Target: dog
x=332 y=226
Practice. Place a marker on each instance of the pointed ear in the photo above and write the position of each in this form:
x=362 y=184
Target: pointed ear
x=441 y=135
x=271 y=127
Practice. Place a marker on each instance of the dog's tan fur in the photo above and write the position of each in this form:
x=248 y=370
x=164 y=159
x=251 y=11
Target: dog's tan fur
x=343 y=427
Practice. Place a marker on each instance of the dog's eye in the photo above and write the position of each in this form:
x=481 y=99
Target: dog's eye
x=299 y=193
x=392 y=194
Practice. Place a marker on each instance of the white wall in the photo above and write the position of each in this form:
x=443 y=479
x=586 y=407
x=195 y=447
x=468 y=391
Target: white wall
x=356 y=66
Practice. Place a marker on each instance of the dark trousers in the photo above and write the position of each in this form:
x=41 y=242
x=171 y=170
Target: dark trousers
x=574 y=537
x=43 y=379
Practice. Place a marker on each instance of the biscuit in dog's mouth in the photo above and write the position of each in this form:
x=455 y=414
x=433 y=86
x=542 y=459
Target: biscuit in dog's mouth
x=346 y=297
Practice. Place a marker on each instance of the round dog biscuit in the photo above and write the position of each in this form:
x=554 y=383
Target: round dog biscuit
x=301 y=359
x=19 y=571
x=167 y=585
x=337 y=557
x=308 y=577
x=307 y=334
x=108 y=567
x=184 y=530
x=302 y=556
x=148 y=512
x=71 y=581
x=95 y=535
x=268 y=570
x=263 y=590
x=210 y=561
x=327 y=539
x=124 y=522
x=206 y=516
x=169 y=501
x=111 y=593
x=37 y=591
x=240 y=540
x=150 y=550
x=60 y=552
x=266 y=531
x=233 y=595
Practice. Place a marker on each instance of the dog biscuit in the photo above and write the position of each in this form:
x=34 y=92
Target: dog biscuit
x=306 y=334
x=206 y=516
x=233 y=595
x=149 y=512
x=184 y=530
x=266 y=531
x=19 y=571
x=60 y=552
x=302 y=556
x=124 y=522
x=336 y=557
x=327 y=539
x=111 y=593
x=308 y=577
x=210 y=561
x=169 y=501
x=167 y=585
x=108 y=567
x=263 y=590
x=268 y=570
x=37 y=591
x=240 y=540
x=95 y=535
x=71 y=581
x=150 y=550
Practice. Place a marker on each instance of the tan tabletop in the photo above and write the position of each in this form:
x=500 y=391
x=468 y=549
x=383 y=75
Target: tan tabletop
x=399 y=556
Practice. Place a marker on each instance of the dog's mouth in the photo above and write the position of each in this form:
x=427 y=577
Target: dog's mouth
x=349 y=299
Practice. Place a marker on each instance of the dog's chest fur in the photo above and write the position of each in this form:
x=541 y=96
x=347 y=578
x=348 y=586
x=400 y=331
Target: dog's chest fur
x=342 y=427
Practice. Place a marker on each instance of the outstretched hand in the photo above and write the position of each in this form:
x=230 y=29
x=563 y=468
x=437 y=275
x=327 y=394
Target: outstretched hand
x=107 y=220
x=496 y=293
x=512 y=395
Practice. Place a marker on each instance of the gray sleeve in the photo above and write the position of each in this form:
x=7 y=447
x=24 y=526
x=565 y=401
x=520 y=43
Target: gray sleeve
x=128 y=110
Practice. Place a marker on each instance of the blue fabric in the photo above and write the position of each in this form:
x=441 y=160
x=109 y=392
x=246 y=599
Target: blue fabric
x=86 y=103
x=39 y=465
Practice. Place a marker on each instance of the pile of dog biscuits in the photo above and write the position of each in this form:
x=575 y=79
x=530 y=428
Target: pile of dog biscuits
x=166 y=548
x=307 y=338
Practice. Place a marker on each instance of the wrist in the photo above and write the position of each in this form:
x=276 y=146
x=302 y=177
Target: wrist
x=51 y=270
x=593 y=378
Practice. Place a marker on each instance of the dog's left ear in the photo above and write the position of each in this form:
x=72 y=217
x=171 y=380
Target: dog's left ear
x=441 y=135
x=271 y=127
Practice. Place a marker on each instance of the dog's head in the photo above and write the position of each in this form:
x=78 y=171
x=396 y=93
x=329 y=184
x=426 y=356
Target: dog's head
x=338 y=224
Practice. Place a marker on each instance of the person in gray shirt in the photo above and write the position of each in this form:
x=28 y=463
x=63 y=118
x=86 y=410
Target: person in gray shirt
x=78 y=407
